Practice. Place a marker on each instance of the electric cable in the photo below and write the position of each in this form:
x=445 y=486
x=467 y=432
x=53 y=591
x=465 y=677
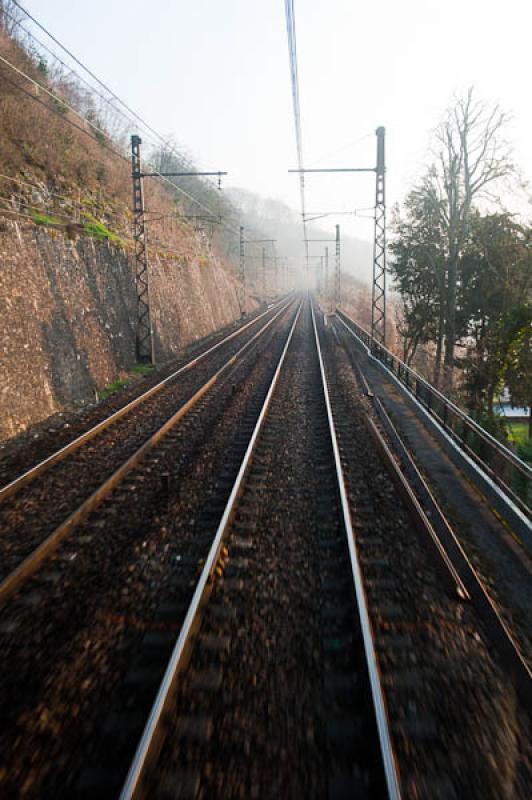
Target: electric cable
x=292 y=55
x=98 y=130
x=63 y=117
x=113 y=94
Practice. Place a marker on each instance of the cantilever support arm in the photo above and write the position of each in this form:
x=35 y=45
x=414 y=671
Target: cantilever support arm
x=337 y=169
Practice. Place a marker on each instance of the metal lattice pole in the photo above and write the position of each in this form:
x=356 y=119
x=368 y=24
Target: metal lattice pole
x=264 y=274
x=242 y=275
x=378 y=297
x=144 y=334
x=337 y=283
x=326 y=279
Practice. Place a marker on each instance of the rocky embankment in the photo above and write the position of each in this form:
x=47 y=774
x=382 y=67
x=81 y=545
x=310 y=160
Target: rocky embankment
x=67 y=316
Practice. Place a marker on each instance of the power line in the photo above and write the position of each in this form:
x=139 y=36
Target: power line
x=70 y=200
x=101 y=143
x=113 y=94
x=98 y=130
x=63 y=117
x=55 y=217
x=94 y=90
x=156 y=245
x=66 y=66
x=342 y=149
x=38 y=85
x=292 y=55
x=51 y=212
x=87 y=70
x=101 y=132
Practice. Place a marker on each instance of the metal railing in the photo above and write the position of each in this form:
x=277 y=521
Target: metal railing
x=503 y=466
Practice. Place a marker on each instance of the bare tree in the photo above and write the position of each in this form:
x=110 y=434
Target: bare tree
x=471 y=155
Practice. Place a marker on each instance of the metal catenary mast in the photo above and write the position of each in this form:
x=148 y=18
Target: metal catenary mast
x=378 y=295
x=378 y=298
x=337 y=272
x=144 y=337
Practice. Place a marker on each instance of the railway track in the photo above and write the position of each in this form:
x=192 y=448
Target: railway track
x=70 y=633
x=235 y=707
x=44 y=504
x=265 y=616
x=450 y=666
x=56 y=436
x=448 y=552
x=273 y=688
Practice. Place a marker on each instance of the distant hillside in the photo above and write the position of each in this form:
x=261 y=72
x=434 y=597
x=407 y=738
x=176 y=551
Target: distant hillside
x=65 y=162
x=279 y=221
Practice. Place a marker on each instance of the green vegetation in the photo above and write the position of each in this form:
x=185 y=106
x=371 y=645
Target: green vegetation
x=43 y=219
x=142 y=369
x=464 y=273
x=136 y=372
x=517 y=431
x=93 y=228
x=524 y=451
x=45 y=142
x=112 y=388
x=99 y=231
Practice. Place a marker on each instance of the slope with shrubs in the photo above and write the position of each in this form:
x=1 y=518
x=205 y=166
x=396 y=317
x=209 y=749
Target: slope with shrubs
x=67 y=296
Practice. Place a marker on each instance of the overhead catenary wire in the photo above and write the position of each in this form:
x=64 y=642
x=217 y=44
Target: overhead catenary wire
x=164 y=141
x=83 y=130
x=55 y=216
x=68 y=67
x=77 y=205
x=341 y=149
x=55 y=97
x=38 y=207
x=85 y=121
x=87 y=70
x=80 y=206
x=56 y=219
x=294 y=79
x=58 y=114
x=102 y=133
x=126 y=240
x=93 y=90
x=70 y=200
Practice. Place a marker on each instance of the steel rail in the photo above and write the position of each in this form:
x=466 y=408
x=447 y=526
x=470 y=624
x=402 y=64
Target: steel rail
x=15 y=579
x=379 y=704
x=446 y=566
x=484 y=435
x=455 y=564
x=503 y=501
x=441 y=540
x=11 y=488
x=149 y=743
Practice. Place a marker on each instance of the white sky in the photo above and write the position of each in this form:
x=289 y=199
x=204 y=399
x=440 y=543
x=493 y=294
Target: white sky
x=215 y=74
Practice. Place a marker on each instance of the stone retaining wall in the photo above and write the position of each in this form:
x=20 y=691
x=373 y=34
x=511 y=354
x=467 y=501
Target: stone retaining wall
x=67 y=317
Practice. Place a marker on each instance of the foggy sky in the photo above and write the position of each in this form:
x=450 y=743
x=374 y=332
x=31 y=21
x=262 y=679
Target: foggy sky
x=215 y=74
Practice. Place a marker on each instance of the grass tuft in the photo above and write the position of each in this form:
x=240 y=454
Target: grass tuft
x=518 y=431
x=43 y=219
x=135 y=372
